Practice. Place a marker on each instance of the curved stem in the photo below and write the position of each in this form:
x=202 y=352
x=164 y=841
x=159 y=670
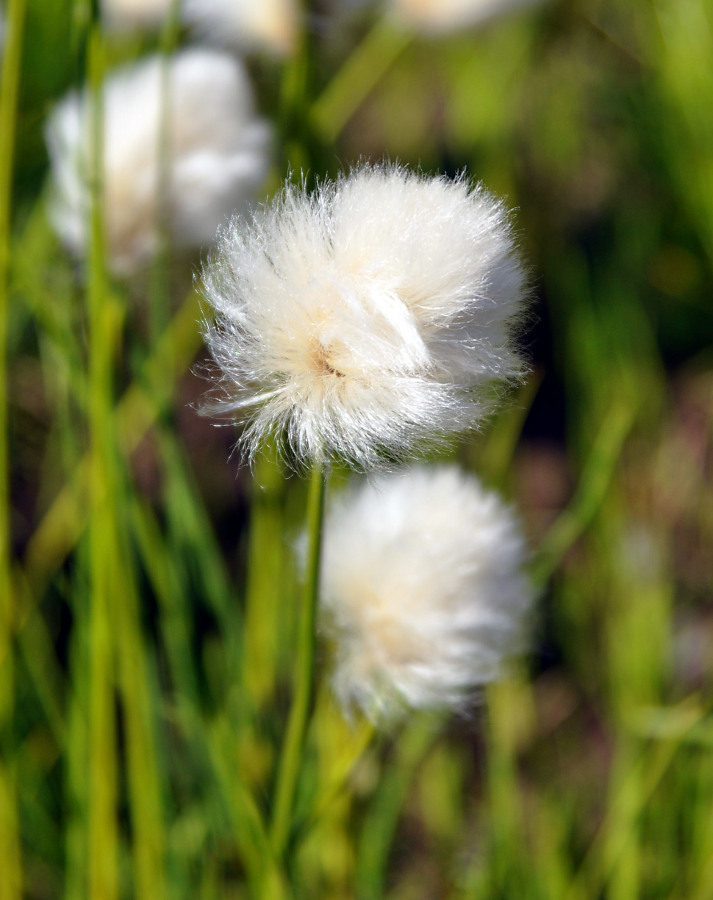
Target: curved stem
x=291 y=756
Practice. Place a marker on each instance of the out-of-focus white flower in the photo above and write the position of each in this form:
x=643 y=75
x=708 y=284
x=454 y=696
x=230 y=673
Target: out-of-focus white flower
x=127 y=15
x=368 y=319
x=217 y=153
x=441 y=16
x=248 y=24
x=422 y=590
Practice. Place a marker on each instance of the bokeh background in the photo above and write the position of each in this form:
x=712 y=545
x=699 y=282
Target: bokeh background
x=147 y=624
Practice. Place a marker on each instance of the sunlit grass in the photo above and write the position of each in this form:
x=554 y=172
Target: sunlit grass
x=149 y=592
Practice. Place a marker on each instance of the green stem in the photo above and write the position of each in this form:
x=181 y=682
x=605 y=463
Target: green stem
x=63 y=523
x=262 y=635
x=292 y=747
x=9 y=89
x=337 y=781
x=357 y=78
x=293 y=119
x=593 y=485
x=376 y=839
x=159 y=286
x=102 y=827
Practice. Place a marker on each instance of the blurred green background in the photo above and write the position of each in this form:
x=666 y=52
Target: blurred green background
x=146 y=628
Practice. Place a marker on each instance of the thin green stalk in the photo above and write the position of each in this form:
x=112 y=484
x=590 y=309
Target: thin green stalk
x=494 y=461
x=382 y=819
x=293 y=117
x=143 y=767
x=116 y=638
x=509 y=707
x=64 y=521
x=192 y=540
x=264 y=874
x=164 y=578
x=102 y=838
x=595 y=480
x=11 y=880
x=76 y=740
x=159 y=288
x=261 y=652
x=293 y=745
x=359 y=75
x=702 y=840
x=336 y=780
x=35 y=645
x=613 y=839
x=8 y=114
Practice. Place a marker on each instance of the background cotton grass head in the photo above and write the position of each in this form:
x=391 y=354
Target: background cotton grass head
x=269 y=25
x=367 y=319
x=442 y=16
x=217 y=153
x=422 y=590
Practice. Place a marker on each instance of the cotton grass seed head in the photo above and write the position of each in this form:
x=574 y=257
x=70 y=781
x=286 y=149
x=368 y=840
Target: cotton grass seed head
x=432 y=17
x=368 y=319
x=216 y=155
x=269 y=25
x=422 y=590
x=266 y=25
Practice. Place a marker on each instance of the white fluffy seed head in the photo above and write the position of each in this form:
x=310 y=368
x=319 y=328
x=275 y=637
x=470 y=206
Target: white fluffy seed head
x=369 y=319
x=217 y=152
x=441 y=16
x=423 y=591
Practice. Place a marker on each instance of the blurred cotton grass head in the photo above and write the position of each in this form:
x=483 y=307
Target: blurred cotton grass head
x=269 y=25
x=367 y=320
x=441 y=16
x=423 y=590
x=217 y=154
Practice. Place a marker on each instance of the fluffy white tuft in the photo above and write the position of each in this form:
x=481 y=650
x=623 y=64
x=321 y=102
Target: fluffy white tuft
x=441 y=16
x=248 y=24
x=368 y=319
x=217 y=152
x=422 y=590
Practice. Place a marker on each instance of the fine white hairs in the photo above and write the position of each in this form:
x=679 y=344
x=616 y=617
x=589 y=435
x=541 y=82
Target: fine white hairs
x=367 y=320
x=423 y=590
x=216 y=155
